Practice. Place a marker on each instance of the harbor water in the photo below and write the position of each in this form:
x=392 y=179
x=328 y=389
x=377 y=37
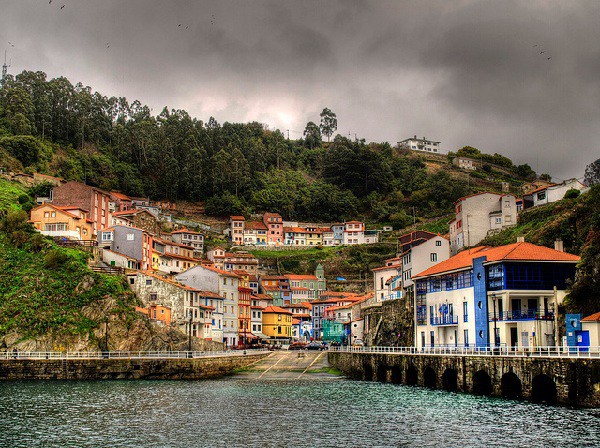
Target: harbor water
x=236 y=412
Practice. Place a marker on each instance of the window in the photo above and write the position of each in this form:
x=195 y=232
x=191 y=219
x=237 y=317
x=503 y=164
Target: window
x=465 y=312
x=132 y=280
x=433 y=257
x=153 y=296
x=46 y=214
x=438 y=243
x=466 y=338
x=541 y=196
x=130 y=237
x=53 y=214
x=148 y=282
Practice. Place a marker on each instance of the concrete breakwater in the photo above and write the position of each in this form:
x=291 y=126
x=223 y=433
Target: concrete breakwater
x=120 y=369
x=570 y=381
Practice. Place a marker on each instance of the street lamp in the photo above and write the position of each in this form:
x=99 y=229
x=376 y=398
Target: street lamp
x=190 y=334
x=495 y=328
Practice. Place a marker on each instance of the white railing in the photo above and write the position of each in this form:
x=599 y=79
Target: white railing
x=542 y=352
x=126 y=354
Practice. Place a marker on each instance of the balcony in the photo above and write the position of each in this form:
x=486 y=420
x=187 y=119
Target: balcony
x=393 y=296
x=518 y=315
x=448 y=320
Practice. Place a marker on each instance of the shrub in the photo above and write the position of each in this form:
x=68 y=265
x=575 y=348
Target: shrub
x=55 y=258
x=572 y=193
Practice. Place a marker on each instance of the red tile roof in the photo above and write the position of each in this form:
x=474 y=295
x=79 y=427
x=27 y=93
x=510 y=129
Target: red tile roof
x=219 y=271
x=121 y=196
x=276 y=309
x=593 y=318
x=301 y=277
x=510 y=252
x=254 y=225
x=237 y=218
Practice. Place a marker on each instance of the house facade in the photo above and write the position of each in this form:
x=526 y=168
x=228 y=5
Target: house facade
x=130 y=242
x=71 y=223
x=85 y=197
x=420 y=144
x=225 y=284
x=477 y=215
x=493 y=296
x=277 y=324
x=236 y=226
x=274 y=224
x=189 y=238
x=551 y=193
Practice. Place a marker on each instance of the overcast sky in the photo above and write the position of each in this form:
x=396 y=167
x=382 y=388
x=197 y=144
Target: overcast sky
x=461 y=72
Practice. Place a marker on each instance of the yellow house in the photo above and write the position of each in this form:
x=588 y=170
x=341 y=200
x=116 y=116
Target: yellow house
x=63 y=222
x=314 y=236
x=277 y=323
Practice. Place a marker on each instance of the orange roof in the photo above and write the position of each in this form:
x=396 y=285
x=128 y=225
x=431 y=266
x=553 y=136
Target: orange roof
x=185 y=231
x=254 y=225
x=60 y=209
x=353 y=222
x=219 y=271
x=510 y=252
x=299 y=288
x=237 y=218
x=383 y=268
x=593 y=318
x=276 y=309
x=302 y=315
x=295 y=321
x=301 y=277
x=541 y=189
x=304 y=305
x=120 y=196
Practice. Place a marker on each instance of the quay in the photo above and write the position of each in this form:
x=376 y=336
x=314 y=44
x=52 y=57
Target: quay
x=124 y=365
x=554 y=375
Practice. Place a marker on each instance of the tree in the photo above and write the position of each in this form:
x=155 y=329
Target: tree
x=312 y=135
x=592 y=174
x=546 y=177
x=328 y=123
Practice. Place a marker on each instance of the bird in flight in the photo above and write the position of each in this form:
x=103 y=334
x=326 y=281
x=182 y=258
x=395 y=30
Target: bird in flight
x=62 y=7
x=549 y=58
x=50 y=2
x=542 y=52
x=11 y=44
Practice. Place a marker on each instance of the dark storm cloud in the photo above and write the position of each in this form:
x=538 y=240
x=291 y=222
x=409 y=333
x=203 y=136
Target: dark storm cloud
x=464 y=72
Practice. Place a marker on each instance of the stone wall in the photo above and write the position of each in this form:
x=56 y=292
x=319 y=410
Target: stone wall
x=121 y=369
x=390 y=324
x=554 y=380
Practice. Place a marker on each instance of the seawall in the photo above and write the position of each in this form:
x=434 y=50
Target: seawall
x=569 y=381
x=121 y=369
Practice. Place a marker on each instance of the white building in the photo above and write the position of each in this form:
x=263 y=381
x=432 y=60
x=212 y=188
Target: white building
x=551 y=193
x=189 y=238
x=477 y=215
x=225 y=284
x=354 y=233
x=420 y=144
x=384 y=279
x=419 y=251
x=507 y=291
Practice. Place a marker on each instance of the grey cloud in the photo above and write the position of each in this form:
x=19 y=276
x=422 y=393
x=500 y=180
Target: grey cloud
x=463 y=72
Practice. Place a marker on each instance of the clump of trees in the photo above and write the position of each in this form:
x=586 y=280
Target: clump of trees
x=72 y=132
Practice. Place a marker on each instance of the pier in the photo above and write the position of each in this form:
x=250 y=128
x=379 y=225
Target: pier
x=555 y=375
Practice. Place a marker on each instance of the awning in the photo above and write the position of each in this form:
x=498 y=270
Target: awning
x=260 y=335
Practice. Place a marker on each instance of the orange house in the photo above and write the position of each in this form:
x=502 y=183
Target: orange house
x=63 y=222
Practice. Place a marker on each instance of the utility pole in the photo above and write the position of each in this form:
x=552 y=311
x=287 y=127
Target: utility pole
x=4 y=68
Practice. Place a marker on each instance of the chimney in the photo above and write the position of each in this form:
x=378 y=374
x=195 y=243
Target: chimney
x=520 y=239
x=415 y=137
x=558 y=245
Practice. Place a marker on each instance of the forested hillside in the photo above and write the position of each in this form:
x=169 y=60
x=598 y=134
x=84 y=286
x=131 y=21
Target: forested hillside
x=58 y=128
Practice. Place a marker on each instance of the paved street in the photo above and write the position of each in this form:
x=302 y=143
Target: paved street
x=288 y=365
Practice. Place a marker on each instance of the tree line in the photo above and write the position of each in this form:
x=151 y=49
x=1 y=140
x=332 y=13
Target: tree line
x=70 y=131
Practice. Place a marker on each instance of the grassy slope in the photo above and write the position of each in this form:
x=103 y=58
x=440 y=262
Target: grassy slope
x=9 y=193
x=36 y=300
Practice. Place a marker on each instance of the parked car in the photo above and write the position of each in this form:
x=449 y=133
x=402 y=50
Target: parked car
x=297 y=346
x=358 y=343
x=314 y=345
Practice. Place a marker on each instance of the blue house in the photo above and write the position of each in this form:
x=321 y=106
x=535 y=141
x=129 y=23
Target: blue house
x=493 y=296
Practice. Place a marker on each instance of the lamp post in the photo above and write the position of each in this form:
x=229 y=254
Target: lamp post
x=190 y=334
x=495 y=327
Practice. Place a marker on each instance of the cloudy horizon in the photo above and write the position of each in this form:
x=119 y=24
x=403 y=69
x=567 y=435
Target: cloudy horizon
x=516 y=78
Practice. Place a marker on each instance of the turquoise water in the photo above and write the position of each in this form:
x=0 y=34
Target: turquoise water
x=238 y=412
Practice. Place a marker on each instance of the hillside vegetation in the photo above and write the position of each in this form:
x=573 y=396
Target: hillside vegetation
x=58 y=128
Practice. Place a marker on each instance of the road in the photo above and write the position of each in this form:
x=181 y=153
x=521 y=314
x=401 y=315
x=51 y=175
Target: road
x=290 y=365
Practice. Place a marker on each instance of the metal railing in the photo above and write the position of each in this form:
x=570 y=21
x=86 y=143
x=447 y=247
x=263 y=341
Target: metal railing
x=444 y=320
x=530 y=314
x=521 y=352
x=126 y=354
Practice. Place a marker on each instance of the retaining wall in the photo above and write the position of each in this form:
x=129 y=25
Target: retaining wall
x=120 y=369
